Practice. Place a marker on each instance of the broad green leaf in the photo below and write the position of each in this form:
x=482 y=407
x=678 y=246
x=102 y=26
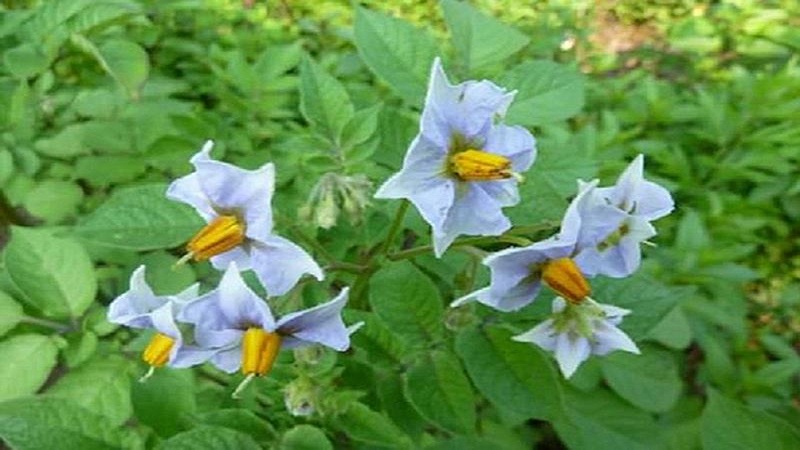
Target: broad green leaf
x=140 y=218
x=649 y=300
x=323 y=100
x=361 y=127
x=479 y=39
x=125 y=61
x=729 y=425
x=514 y=376
x=550 y=181
x=26 y=60
x=362 y=424
x=6 y=166
x=37 y=423
x=381 y=345
x=598 y=420
x=29 y=358
x=80 y=348
x=305 y=437
x=165 y=413
x=54 y=274
x=162 y=274
x=242 y=420
x=650 y=381
x=396 y=51
x=10 y=313
x=54 y=200
x=208 y=437
x=101 y=386
x=437 y=387
x=673 y=331
x=104 y=170
x=408 y=302
x=548 y=92
x=68 y=143
x=390 y=390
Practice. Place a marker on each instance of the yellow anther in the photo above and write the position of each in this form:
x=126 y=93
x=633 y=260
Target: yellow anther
x=477 y=165
x=220 y=235
x=157 y=351
x=259 y=351
x=564 y=277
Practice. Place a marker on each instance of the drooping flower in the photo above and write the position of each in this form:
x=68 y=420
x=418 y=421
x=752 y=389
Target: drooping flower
x=236 y=203
x=463 y=168
x=517 y=273
x=140 y=307
x=617 y=254
x=237 y=329
x=576 y=331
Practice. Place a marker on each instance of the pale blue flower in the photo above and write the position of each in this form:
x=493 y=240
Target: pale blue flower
x=217 y=189
x=617 y=253
x=222 y=316
x=516 y=273
x=457 y=118
x=140 y=307
x=574 y=332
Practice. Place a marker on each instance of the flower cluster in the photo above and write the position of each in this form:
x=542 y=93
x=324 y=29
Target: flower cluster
x=600 y=234
x=234 y=329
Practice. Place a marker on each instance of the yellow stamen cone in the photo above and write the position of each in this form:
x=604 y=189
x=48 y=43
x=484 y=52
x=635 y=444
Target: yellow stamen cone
x=220 y=235
x=157 y=351
x=477 y=165
x=564 y=277
x=259 y=351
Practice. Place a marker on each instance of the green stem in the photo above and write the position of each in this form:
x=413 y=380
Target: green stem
x=342 y=266
x=395 y=227
x=470 y=241
x=57 y=326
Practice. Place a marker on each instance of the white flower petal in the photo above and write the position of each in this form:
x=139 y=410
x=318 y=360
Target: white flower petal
x=279 y=264
x=187 y=190
x=571 y=351
x=543 y=335
x=609 y=338
x=321 y=324
x=239 y=304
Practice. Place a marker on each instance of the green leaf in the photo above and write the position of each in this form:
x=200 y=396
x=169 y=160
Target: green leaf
x=649 y=300
x=362 y=424
x=598 y=420
x=208 y=437
x=727 y=424
x=54 y=200
x=323 y=100
x=29 y=358
x=437 y=387
x=390 y=390
x=69 y=142
x=104 y=170
x=382 y=346
x=165 y=413
x=305 y=437
x=550 y=181
x=548 y=92
x=479 y=39
x=514 y=376
x=101 y=386
x=673 y=331
x=162 y=274
x=125 y=61
x=408 y=302
x=650 y=381
x=54 y=274
x=37 y=423
x=10 y=313
x=240 y=420
x=396 y=51
x=140 y=218
x=25 y=60
x=361 y=127
x=80 y=347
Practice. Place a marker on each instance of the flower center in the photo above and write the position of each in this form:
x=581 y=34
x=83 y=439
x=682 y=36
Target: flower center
x=157 y=351
x=477 y=165
x=564 y=277
x=614 y=238
x=220 y=235
x=259 y=351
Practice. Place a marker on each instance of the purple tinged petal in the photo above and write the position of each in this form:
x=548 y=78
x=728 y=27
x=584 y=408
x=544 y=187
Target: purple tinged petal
x=514 y=142
x=228 y=360
x=544 y=335
x=473 y=212
x=237 y=255
x=187 y=190
x=609 y=338
x=239 y=304
x=571 y=350
x=280 y=263
x=133 y=307
x=321 y=324
x=188 y=356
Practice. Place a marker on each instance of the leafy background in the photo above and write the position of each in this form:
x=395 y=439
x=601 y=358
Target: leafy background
x=106 y=100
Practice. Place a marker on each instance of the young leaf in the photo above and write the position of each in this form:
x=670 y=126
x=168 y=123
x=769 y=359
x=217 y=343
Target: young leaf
x=10 y=313
x=408 y=302
x=54 y=274
x=29 y=360
x=650 y=381
x=437 y=387
x=324 y=101
x=361 y=423
x=398 y=52
x=140 y=218
x=514 y=376
x=548 y=92
x=727 y=424
x=205 y=436
x=305 y=437
x=479 y=39
x=166 y=414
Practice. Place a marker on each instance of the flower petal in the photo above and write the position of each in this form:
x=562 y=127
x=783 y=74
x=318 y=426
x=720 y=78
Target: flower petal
x=187 y=190
x=609 y=338
x=321 y=324
x=133 y=307
x=473 y=213
x=239 y=304
x=280 y=263
x=514 y=142
x=543 y=335
x=236 y=255
x=188 y=356
x=571 y=350
x=228 y=360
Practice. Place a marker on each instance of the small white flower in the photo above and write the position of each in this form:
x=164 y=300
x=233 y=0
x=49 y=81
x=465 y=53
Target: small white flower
x=236 y=203
x=576 y=331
